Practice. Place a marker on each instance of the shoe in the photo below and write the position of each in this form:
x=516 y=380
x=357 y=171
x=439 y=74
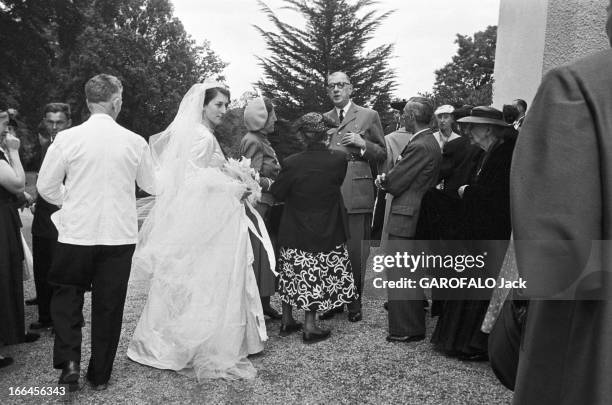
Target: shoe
x=70 y=375
x=355 y=316
x=98 y=387
x=272 y=313
x=314 y=337
x=331 y=313
x=31 y=337
x=404 y=339
x=6 y=361
x=41 y=325
x=473 y=357
x=286 y=330
x=33 y=301
x=386 y=306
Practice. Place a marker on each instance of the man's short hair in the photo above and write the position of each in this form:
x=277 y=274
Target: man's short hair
x=422 y=108
x=101 y=88
x=57 y=108
x=340 y=73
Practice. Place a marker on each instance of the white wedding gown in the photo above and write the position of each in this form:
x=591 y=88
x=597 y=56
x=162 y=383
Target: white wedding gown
x=203 y=314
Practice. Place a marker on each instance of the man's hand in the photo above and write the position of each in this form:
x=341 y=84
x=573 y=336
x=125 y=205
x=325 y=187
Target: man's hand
x=353 y=139
x=462 y=190
x=380 y=181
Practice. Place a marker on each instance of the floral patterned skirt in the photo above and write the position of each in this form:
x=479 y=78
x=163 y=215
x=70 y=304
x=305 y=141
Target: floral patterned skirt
x=315 y=281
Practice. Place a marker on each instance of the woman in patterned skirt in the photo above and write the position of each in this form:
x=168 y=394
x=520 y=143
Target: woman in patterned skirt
x=313 y=261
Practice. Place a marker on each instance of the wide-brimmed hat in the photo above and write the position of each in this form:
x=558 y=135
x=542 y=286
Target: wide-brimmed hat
x=485 y=115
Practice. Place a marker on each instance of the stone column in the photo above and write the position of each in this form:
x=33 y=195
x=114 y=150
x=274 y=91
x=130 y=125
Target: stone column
x=535 y=36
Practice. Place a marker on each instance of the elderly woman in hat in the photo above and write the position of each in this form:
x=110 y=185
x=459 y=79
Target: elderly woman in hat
x=313 y=261
x=486 y=215
x=259 y=119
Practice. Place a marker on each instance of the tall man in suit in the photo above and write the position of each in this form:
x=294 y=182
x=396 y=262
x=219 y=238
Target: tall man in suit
x=44 y=235
x=360 y=135
x=415 y=171
x=100 y=164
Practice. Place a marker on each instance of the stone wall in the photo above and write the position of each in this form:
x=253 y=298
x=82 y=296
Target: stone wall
x=534 y=36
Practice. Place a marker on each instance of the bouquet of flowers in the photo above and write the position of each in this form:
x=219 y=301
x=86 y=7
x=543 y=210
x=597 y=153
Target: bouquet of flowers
x=242 y=171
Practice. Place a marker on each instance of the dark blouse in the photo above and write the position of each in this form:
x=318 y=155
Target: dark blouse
x=314 y=217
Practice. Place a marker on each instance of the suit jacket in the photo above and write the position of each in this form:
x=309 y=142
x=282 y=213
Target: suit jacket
x=42 y=226
x=358 y=186
x=314 y=218
x=263 y=159
x=561 y=192
x=413 y=174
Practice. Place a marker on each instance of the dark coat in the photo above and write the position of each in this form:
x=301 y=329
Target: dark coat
x=459 y=158
x=561 y=191
x=486 y=200
x=314 y=217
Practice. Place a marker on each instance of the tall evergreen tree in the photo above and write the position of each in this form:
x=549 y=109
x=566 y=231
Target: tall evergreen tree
x=334 y=38
x=468 y=79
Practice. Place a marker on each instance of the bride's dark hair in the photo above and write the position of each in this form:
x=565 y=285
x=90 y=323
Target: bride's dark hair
x=212 y=93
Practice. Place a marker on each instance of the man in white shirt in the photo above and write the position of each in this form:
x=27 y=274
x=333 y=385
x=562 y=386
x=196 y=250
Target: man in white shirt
x=99 y=162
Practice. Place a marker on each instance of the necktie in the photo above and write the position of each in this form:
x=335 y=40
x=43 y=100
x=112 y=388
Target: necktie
x=341 y=116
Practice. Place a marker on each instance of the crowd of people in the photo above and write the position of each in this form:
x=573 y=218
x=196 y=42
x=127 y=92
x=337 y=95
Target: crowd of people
x=472 y=174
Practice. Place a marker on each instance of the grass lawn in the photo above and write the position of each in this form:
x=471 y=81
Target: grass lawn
x=356 y=365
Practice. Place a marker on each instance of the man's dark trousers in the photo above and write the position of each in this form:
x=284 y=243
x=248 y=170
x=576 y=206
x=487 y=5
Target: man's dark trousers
x=405 y=308
x=105 y=270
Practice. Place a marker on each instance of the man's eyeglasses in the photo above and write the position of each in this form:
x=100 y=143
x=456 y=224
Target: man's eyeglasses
x=340 y=85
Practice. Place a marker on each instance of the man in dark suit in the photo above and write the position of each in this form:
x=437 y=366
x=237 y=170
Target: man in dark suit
x=360 y=135
x=415 y=171
x=560 y=194
x=44 y=235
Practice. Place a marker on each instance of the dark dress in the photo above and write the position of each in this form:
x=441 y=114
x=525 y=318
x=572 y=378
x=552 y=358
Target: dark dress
x=313 y=262
x=486 y=227
x=12 y=321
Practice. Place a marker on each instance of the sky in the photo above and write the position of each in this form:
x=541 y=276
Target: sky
x=423 y=32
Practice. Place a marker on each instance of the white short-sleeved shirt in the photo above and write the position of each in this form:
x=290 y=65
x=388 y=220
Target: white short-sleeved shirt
x=99 y=162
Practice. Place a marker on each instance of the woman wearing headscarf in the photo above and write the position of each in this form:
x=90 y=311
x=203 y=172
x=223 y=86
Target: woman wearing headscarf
x=313 y=263
x=259 y=119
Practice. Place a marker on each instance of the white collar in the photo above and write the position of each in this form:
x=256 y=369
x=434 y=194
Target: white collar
x=345 y=109
x=452 y=136
x=101 y=115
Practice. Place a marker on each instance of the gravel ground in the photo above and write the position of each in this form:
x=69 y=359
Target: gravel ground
x=356 y=365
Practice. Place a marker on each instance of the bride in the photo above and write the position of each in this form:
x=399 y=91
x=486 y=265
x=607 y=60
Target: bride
x=203 y=315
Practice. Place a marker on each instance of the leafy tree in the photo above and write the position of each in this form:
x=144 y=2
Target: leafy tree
x=334 y=39
x=69 y=41
x=468 y=79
